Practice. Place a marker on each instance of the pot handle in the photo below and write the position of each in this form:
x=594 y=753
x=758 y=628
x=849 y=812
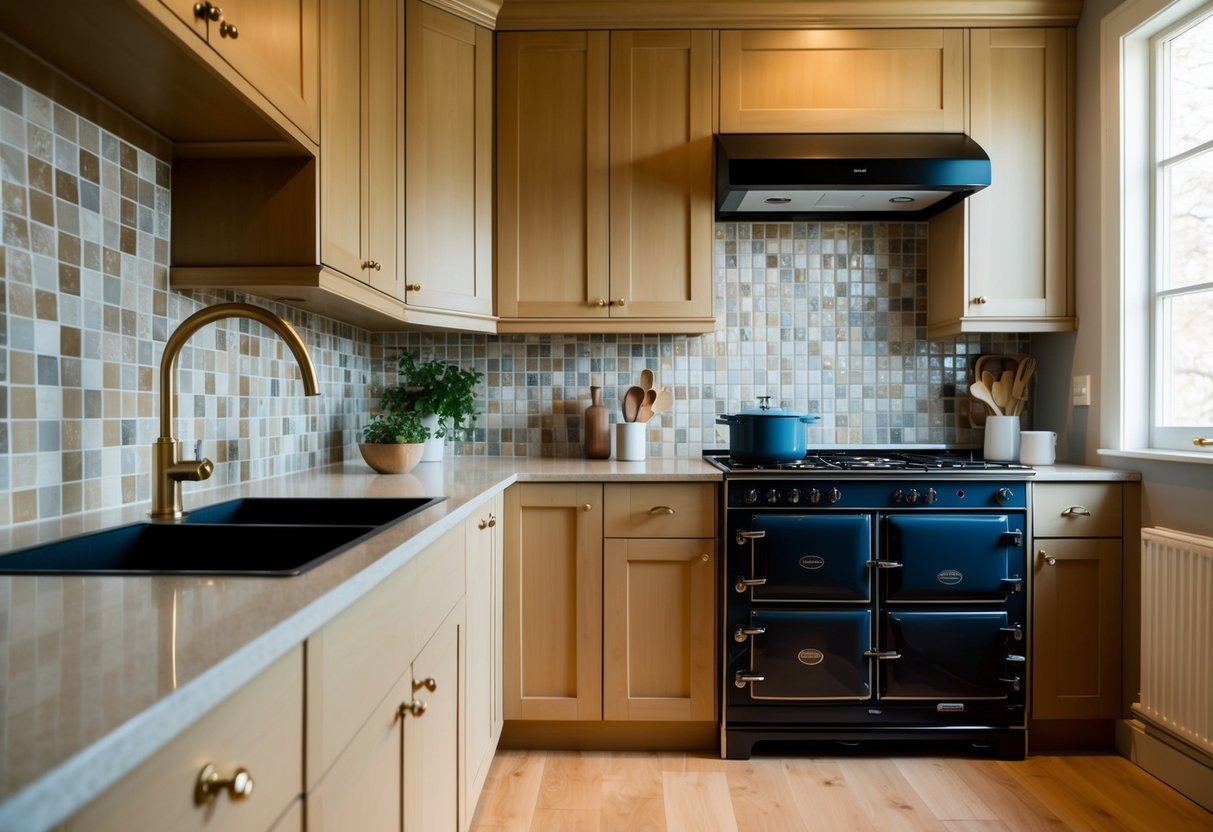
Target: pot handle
x=727 y=419
x=810 y=420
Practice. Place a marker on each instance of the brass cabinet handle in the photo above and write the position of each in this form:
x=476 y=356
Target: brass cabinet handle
x=661 y=510
x=428 y=683
x=1047 y=558
x=587 y=507
x=412 y=287
x=414 y=708
x=981 y=299
x=206 y=11
x=372 y=264
x=1202 y=442
x=599 y=302
x=1076 y=511
x=743 y=633
x=705 y=557
x=617 y=302
x=742 y=583
x=228 y=30
x=210 y=784
x=492 y=520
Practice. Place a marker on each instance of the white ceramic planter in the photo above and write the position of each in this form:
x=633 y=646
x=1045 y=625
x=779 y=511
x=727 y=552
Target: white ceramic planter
x=435 y=447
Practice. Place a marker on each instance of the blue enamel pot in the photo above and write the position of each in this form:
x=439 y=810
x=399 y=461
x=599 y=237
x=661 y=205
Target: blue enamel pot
x=767 y=437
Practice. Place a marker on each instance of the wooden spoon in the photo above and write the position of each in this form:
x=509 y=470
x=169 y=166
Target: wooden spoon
x=632 y=400
x=646 y=407
x=1019 y=388
x=980 y=392
x=646 y=378
x=1001 y=391
x=665 y=400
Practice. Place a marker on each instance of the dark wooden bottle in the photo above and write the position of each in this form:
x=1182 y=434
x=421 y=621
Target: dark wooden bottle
x=597 y=428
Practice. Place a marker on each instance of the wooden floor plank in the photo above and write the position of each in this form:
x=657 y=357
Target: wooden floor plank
x=1151 y=803
x=976 y=826
x=566 y=820
x=824 y=799
x=633 y=794
x=762 y=799
x=889 y=800
x=698 y=802
x=572 y=780
x=1067 y=796
x=511 y=789
x=945 y=793
x=1017 y=807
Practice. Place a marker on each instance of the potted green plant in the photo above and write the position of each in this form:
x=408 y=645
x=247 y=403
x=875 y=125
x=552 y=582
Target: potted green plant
x=443 y=394
x=395 y=441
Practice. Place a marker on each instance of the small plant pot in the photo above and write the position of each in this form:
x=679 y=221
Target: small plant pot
x=391 y=458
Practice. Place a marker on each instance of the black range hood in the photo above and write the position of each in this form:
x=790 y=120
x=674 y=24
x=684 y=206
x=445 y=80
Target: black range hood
x=845 y=176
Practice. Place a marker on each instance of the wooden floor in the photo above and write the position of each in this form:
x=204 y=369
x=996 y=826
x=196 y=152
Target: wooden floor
x=590 y=791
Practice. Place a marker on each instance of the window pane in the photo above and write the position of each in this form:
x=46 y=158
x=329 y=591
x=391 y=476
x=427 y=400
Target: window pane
x=1191 y=99
x=1190 y=235
x=1186 y=381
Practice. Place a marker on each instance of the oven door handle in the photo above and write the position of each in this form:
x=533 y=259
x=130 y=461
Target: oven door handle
x=742 y=584
x=741 y=678
x=1015 y=632
x=743 y=536
x=882 y=655
x=1011 y=585
x=885 y=564
x=1013 y=682
x=742 y=633
x=1014 y=537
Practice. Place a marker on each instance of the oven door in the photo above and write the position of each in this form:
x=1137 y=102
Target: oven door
x=811 y=557
x=807 y=655
x=951 y=557
x=953 y=655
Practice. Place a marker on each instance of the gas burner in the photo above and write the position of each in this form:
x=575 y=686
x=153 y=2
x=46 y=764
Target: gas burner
x=893 y=462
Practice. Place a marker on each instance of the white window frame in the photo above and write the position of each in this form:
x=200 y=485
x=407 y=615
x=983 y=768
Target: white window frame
x=1126 y=224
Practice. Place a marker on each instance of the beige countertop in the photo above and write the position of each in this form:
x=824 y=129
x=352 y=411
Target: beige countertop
x=96 y=673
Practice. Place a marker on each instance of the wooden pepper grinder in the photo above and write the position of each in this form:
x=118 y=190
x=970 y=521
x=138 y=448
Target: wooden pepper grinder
x=597 y=429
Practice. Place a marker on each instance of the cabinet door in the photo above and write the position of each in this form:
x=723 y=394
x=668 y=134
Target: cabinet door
x=449 y=149
x=1076 y=629
x=431 y=734
x=842 y=81
x=553 y=606
x=553 y=174
x=658 y=646
x=482 y=676
x=661 y=174
x=273 y=44
x=340 y=163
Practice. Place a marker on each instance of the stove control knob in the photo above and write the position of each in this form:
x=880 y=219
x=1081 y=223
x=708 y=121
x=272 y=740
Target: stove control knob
x=930 y=497
x=912 y=496
x=834 y=495
x=814 y=496
x=899 y=496
x=1003 y=496
x=772 y=496
x=794 y=496
x=750 y=497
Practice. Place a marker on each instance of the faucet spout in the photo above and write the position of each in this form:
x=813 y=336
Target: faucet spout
x=168 y=468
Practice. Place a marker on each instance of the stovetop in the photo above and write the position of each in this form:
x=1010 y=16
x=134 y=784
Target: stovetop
x=881 y=461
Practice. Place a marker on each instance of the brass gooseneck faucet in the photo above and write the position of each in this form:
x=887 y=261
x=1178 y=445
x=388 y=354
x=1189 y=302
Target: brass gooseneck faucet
x=168 y=468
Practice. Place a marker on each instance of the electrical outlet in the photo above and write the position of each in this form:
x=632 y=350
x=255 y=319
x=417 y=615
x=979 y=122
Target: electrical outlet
x=1081 y=391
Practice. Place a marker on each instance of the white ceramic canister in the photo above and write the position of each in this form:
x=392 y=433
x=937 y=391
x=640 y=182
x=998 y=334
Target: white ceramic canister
x=1037 y=447
x=630 y=438
x=1002 y=438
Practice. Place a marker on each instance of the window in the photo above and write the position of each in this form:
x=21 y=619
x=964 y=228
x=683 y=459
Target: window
x=1181 y=284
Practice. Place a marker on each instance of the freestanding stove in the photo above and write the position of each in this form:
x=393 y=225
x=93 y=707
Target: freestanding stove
x=875 y=595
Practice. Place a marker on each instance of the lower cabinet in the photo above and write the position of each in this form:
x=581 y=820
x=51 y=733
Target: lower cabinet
x=1076 y=608
x=610 y=602
x=483 y=715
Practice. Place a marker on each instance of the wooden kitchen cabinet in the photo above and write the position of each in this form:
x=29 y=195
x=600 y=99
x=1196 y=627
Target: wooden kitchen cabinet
x=1002 y=260
x=432 y=720
x=1076 y=617
x=449 y=153
x=842 y=81
x=604 y=188
x=610 y=598
x=259 y=729
x=483 y=704
x=272 y=43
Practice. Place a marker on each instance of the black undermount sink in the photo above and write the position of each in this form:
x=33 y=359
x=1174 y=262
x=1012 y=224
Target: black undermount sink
x=254 y=537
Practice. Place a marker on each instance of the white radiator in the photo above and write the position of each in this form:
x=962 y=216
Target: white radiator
x=1177 y=634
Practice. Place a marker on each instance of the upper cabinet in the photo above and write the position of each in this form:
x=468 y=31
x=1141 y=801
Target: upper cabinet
x=449 y=152
x=1002 y=261
x=836 y=81
x=604 y=189
x=271 y=43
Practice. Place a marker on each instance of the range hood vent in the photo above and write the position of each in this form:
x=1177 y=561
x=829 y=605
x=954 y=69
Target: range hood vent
x=845 y=176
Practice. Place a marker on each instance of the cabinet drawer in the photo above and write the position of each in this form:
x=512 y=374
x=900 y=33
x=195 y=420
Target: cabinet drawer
x=660 y=510
x=355 y=659
x=1074 y=509
x=259 y=728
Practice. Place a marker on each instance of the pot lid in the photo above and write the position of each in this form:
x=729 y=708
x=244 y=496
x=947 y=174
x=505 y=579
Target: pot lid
x=764 y=409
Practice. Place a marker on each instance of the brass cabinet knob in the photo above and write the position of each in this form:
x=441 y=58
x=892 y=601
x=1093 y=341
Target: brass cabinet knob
x=428 y=683
x=207 y=11
x=618 y=302
x=981 y=299
x=414 y=708
x=492 y=520
x=599 y=302
x=372 y=264
x=412 y=287
x=1047 y=558
x=705 y=557
x=210 y=784
x=587 y=507
x=483 y=524
x=228 y=30
x=1202 y=442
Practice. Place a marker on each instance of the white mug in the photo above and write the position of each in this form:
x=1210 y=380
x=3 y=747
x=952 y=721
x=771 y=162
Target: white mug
x=1037 y=447
x=1002 y=438
x=630 y=439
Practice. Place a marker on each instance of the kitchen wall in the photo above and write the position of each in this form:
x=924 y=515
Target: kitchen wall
x=825 y=318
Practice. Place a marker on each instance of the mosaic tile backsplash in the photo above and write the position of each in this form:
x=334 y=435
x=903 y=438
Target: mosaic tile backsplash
x=823 y=318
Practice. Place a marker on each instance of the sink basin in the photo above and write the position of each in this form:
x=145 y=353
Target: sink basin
x=253 y=537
